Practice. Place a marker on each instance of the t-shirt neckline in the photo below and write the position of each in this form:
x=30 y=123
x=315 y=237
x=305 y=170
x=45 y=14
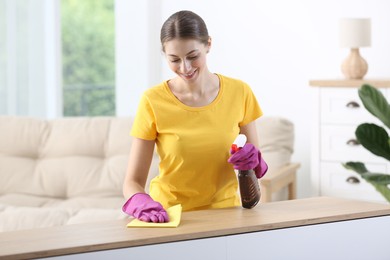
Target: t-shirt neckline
x=187 y=107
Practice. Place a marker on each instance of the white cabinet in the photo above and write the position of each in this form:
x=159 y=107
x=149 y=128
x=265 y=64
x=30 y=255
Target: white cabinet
x=337 y=111
x=337 y=181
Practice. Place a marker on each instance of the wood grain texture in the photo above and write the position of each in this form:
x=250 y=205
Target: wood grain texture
x=353 y=83
x=196 y=224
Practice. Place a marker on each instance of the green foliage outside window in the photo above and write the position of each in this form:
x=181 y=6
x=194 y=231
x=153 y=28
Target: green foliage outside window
x=88 y=57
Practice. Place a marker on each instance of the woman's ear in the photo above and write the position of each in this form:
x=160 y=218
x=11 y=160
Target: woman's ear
x=208 y=44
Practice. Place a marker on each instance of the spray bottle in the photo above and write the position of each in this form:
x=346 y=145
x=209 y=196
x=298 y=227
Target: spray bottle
x=247 y=180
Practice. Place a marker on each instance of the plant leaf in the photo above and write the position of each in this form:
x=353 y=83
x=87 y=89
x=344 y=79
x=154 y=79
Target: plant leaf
x=374 y=138
x=377 y=178
x=356 y=166
x=374 y=101
x=382 y=189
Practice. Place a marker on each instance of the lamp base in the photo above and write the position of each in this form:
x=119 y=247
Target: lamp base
x=354 y=66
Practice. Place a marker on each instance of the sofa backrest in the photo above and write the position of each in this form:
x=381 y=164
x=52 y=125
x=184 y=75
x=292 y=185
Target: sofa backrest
x=64 y=158
x=276 y=140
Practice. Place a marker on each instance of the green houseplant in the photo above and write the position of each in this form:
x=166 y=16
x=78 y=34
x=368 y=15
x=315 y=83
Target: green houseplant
x=374 y=138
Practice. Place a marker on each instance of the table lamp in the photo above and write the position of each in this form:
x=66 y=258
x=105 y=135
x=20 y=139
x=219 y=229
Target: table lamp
x=355 y=33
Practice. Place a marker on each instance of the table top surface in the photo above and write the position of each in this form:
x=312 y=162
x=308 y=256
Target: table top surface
x=113 y=234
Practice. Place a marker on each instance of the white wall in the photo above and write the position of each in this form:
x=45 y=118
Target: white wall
x=275 y=46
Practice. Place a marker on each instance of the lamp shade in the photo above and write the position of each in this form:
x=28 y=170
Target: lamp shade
x=355 y=32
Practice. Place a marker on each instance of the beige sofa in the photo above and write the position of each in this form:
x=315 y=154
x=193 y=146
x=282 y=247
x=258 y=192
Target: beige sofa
x=70 y=170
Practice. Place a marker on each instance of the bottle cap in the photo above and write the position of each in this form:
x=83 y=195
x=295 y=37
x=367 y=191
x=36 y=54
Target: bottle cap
x=239 y=142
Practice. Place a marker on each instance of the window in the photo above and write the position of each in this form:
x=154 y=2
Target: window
x=88 y=57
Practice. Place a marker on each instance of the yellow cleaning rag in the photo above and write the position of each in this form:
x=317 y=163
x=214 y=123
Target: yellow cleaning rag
x=174 y=214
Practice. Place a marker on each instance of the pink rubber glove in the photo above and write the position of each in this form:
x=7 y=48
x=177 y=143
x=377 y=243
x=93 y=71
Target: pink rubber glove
x=248 y=158
x=144 y=208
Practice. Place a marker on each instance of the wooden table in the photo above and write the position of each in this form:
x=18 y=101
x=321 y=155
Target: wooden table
x=313 y=228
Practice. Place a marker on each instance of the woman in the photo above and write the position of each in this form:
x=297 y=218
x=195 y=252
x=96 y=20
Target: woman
x=193 y=119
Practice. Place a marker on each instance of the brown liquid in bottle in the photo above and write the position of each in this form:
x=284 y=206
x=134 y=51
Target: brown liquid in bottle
x=249 y=188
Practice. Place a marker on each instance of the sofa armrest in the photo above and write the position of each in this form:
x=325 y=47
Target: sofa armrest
x=283 y=177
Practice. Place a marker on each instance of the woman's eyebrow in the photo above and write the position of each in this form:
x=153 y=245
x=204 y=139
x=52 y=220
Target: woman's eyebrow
x=173 y=55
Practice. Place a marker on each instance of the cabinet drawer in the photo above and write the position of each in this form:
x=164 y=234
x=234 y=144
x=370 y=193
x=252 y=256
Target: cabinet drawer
x=339 y=143
x=340 y=182
x=343 y=106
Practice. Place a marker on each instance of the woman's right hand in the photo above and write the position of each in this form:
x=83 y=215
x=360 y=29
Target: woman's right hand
x=144 y=208
x=248 y=158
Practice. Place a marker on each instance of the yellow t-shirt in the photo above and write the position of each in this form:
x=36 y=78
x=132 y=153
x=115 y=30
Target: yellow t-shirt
x=193 y=143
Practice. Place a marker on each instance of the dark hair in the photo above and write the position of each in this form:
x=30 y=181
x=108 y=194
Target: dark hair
x=184 y=25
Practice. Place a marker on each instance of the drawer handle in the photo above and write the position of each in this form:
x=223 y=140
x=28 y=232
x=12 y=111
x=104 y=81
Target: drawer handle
x=353 y=142
x=353 y=104
x=352 y=180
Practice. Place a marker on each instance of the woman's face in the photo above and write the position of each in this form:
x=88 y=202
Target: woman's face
x=187 y=58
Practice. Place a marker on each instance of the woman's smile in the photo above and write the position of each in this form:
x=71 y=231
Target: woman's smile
x=189 y=76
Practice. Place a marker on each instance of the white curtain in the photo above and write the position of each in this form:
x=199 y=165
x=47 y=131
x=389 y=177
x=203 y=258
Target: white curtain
x=137 y=51
x=30 y=75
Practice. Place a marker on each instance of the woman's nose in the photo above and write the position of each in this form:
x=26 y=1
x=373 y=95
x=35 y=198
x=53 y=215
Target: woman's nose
x=185 y=66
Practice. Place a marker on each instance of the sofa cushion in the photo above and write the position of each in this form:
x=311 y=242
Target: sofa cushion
x=18 y=218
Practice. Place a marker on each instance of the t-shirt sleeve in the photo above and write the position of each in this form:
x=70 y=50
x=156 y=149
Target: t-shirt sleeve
x=144 y=125
x=251 y=106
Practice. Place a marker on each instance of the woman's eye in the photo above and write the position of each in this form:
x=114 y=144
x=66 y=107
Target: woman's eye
x=175 y=61
x=192 y=57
